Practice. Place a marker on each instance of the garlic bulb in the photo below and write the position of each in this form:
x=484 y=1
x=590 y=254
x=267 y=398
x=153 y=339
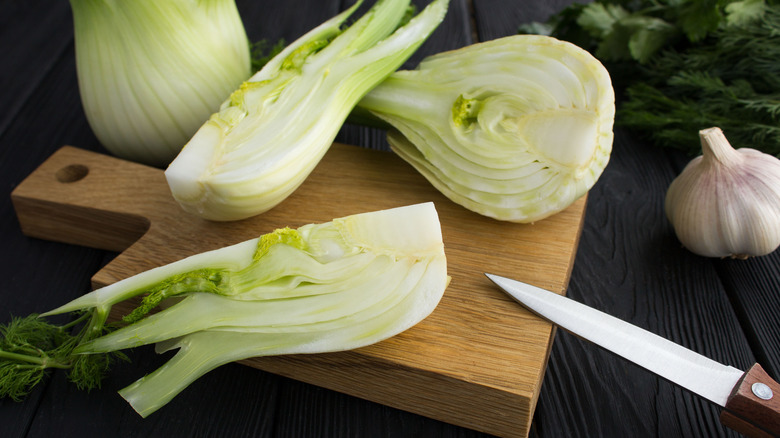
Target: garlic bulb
x=726 y=202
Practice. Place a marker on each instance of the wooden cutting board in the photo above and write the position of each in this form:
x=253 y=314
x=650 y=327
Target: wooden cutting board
x=477 y=361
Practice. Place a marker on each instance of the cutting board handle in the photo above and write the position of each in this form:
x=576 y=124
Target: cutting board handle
x=442 y=368
x=89 y=199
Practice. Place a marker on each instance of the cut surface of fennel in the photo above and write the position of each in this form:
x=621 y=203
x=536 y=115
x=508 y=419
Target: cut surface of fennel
x=324 y=287
x=274 y=129
x=517 y=128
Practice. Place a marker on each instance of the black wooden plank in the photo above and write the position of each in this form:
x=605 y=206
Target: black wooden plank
x=38 y=274
x=46 y=114
x=308 y=411
x=272 y=21
x=500 y=18
x=754 y=288
x=233 y=400
x=453 y=33
x=33 y=35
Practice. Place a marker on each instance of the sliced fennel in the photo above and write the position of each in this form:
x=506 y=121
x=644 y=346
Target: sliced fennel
x=271 y=133
x=151 y=71
x=325 y=287
x=516 y=128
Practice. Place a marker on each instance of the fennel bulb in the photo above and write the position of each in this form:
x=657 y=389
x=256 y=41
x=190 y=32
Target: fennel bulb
x=324 y=287
x=517 y=128
x=150 y=72
x=271 y=133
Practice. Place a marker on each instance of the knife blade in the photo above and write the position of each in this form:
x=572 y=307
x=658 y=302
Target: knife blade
x=751 y=400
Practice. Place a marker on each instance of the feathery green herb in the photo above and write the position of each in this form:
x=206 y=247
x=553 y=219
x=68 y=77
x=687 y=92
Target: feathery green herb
x=686 y=65
x=30 y=347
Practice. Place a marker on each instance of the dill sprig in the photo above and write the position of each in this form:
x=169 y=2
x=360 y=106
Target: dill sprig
x=731 y=80
x=31 y=347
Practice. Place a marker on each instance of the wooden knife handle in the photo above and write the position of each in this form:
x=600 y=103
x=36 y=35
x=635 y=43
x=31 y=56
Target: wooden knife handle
x=753 y=408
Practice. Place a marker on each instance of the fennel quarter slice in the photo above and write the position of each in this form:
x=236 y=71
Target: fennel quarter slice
x=324 y=287
x=516 y=128
x=274 y=129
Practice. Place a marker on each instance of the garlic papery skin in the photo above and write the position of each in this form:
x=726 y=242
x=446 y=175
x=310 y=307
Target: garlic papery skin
x=726 y=202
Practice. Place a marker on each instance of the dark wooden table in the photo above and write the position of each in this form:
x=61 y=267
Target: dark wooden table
x=629 y=264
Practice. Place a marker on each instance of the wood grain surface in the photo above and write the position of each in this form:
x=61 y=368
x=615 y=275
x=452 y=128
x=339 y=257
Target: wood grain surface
x=628 y=264
x=477 y=361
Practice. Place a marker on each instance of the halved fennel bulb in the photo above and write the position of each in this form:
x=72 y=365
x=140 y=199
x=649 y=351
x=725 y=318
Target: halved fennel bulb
x=151 y=72
x=324 y=287
x=272 y=132
x=516 y=128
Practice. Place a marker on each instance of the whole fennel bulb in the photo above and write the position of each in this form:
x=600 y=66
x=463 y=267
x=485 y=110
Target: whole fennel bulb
x=150 y=72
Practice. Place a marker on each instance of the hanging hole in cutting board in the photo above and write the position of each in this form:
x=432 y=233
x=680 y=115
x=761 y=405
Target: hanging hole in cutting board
x=72 y=173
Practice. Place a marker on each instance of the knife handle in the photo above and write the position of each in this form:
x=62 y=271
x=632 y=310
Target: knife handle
x=753 y=408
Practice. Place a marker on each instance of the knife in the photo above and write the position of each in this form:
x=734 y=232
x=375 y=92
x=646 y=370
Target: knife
x=751 y=400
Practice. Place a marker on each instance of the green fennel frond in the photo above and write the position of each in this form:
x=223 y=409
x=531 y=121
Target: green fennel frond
x=31 y=346
x=28 y=349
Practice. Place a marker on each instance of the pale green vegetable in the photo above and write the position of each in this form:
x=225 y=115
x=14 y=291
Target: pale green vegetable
x=516 y=128
x=151 y=72
x=325 y=287
x=271 y=133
